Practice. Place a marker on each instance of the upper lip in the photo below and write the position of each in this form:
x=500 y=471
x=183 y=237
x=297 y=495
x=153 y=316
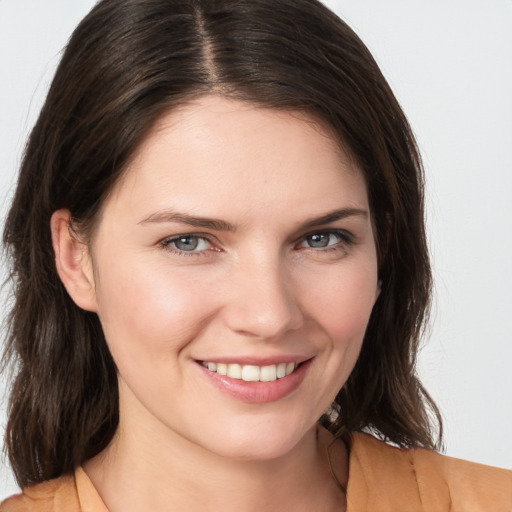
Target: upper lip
x=257 y=360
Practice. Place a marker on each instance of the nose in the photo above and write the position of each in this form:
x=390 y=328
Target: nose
x=262 y=301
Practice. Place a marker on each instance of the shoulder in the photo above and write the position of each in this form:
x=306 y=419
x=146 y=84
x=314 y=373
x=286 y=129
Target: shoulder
x=422 y=480
x=59 y=495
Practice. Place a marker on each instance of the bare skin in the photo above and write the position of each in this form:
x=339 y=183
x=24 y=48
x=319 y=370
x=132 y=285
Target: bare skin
x=300 y=481
x=239 y=238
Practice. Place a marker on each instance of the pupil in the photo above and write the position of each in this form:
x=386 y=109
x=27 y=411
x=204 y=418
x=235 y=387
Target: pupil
x=319 y=240
x=186 y=243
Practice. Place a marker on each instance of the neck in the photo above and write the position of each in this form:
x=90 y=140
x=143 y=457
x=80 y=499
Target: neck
x=147 y=469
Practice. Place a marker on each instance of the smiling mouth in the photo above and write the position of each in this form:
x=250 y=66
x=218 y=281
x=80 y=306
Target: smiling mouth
x=252 y=373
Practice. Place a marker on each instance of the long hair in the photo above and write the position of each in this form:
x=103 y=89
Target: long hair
x=127 y=63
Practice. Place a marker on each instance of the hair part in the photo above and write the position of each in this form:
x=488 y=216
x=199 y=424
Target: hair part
x=129 y=62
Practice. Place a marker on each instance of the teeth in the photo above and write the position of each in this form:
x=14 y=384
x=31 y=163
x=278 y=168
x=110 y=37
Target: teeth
x=222 y=369
x=251 y=373
x=234 y=371
x=268 y=373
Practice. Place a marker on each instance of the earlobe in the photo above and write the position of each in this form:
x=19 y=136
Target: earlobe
x=73 y=261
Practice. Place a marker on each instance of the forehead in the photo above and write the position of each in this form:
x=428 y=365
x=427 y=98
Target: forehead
x=213 y=114
x=237 y=152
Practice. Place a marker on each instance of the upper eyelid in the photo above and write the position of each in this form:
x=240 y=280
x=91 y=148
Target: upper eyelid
x=342 y=232
x=167 y=245
x=346 y=235
x=204 y=236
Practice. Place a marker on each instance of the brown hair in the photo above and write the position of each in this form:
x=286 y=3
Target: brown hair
x=127 y=63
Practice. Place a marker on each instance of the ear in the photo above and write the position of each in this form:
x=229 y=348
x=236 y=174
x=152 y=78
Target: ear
x=73 y=261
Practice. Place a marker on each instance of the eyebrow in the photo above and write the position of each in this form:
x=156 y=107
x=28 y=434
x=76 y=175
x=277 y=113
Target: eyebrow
x=191 y=220
x=335 y=215
x=168 y=216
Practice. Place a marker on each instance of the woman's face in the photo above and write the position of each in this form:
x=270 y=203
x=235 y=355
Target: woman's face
x=235 y=271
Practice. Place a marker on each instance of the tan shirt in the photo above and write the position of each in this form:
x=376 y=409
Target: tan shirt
x=381 y=479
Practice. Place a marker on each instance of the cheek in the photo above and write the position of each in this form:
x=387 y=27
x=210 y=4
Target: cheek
x=148 y=315
x=343 y=302
x=339 y=306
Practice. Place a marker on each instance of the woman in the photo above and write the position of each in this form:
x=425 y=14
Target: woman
x=221 y=274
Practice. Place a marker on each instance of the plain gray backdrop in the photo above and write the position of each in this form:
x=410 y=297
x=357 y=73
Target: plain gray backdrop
x=450 y=65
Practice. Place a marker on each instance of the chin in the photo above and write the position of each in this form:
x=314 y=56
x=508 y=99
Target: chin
x=257 y=443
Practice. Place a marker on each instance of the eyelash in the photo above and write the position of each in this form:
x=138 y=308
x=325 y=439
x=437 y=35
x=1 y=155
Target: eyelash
x=345 y=239
x=166 y=244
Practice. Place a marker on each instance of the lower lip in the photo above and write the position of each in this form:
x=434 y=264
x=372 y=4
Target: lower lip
x=258 y=392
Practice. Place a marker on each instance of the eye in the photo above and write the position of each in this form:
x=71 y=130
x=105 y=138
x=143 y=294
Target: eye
x=325 y=239
x=187 y=243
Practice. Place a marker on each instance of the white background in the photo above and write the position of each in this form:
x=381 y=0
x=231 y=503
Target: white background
x=450 y=65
